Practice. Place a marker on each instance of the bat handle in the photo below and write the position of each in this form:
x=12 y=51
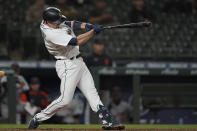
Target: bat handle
x=107 y=27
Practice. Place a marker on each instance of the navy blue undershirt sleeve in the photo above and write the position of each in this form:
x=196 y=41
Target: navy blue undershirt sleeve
x=73 y=42
x=77 y=25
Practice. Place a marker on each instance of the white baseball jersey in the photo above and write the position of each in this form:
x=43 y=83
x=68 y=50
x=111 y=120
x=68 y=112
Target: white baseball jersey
x=56 y=41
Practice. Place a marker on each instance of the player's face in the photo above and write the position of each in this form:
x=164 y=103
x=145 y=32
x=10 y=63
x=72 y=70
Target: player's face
x=53 y=25
x=56 y=25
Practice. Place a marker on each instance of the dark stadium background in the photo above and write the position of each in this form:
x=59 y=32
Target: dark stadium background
x=171 y=43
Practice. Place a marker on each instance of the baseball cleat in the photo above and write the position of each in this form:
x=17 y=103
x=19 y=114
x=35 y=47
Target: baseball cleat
x=33 y=124
x=109 y=123
x=113 y=127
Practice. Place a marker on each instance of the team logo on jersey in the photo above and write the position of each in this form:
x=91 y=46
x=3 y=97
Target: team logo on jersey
x=69 y=31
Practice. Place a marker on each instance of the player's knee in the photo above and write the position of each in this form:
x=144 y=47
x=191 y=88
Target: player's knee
x=65 y=102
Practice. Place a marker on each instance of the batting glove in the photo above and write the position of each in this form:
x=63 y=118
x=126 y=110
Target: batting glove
x=98 y=29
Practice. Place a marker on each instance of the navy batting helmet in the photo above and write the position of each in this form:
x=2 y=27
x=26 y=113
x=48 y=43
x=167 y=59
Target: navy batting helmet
x=53 y=15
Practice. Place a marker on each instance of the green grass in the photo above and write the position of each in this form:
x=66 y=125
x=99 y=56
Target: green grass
x=65 y=126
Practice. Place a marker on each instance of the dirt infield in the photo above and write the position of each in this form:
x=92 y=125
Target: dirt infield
x=98 y=130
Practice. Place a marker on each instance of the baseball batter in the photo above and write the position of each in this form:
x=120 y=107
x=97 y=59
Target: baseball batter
x=61 y=42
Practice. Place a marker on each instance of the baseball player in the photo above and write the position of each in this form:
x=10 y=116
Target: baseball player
x=61 y=42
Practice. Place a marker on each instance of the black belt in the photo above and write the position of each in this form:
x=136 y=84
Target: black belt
x=79 y=55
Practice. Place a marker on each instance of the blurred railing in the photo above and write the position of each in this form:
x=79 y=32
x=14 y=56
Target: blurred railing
x=166 y=80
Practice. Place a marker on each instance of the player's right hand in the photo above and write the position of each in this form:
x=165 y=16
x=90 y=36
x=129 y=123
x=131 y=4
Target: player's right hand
x=98 y=29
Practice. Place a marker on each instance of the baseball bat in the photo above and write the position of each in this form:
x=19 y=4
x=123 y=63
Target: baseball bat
x=130 y=25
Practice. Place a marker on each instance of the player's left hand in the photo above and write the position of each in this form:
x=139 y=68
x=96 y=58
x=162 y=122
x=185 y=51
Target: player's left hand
x=98 y=29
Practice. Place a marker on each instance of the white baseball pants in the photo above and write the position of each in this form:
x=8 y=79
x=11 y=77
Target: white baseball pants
x=73 y=73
